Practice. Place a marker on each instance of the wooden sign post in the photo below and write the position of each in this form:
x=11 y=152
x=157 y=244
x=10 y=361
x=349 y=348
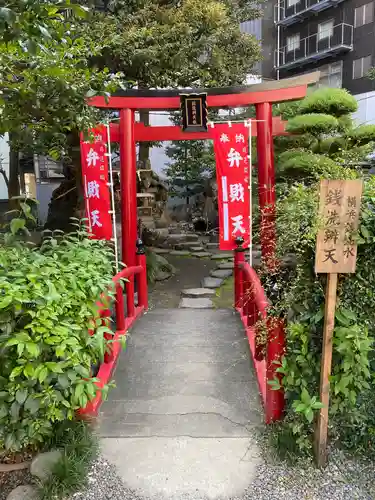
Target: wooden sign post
x=336 y=252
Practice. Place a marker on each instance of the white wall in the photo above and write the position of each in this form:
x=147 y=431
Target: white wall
x=366 y=108
x=4 y=160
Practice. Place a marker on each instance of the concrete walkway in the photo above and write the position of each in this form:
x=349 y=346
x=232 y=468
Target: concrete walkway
x=182 y=421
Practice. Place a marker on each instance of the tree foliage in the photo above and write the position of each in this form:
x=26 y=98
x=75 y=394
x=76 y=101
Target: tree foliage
x=301 y=296
x=323 y=135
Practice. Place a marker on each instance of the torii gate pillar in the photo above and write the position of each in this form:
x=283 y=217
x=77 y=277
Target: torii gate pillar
x=266 y=180
x=128 y=188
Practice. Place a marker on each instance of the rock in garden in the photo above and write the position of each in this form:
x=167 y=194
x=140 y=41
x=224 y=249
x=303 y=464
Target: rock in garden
x=192 y=237
x=194 y=293
x=222 y=256
x=23 y=492
x=160 y=251
x=196 y=249
x=189 y=303
x=43 y=464
x=201 y=255
x=176 y=238
x=211 y=282
x=185 y=245
x=162 y=275
x=212 y=246
x=226 y=265
x=180 y=253
x=221 y=273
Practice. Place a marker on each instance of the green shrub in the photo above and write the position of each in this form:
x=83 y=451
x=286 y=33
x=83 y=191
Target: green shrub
x=362 y=134
x=314 y=124
x=48 y=302
x=336 y=102
x=352 y=401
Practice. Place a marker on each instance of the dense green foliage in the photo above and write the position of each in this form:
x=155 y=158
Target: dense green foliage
x=323 y=136
x=301 y=301
x=48 y=304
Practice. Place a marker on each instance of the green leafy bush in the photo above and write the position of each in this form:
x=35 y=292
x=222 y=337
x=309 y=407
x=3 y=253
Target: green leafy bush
x=301 y=300
x=313 y=123
x=48 y=303
x=336 y=102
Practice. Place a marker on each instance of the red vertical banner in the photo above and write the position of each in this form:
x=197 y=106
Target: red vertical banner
x=231 y=145
x=95 y=182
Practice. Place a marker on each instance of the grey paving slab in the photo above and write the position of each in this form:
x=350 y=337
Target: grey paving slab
x=180 y=253
x=198 y=292
x=196 y=303
x=201 y=255
x=186 y=407
x=196 y=248
x=222 y=256
x=210 y=282
x=226 y=265
x=221 y=273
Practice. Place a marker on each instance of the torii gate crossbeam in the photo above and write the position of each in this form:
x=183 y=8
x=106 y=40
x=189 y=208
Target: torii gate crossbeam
x=263 y=96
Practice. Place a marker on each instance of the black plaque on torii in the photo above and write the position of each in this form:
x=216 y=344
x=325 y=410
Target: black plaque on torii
x=194 y=112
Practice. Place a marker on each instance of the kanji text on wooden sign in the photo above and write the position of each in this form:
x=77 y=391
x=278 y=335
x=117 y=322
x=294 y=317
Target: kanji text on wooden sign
x=339 y=209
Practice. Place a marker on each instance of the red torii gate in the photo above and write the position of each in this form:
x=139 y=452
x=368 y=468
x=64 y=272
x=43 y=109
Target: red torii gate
x=127 y=133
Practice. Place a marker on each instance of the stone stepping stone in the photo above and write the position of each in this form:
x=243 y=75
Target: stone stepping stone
x=198 y=293
x=185 y=245
x=176 y=238
x=191 y=237
x=202 y=303
x=212 y=245
x=201 y=255
x=226 y=265
x=196 y=249
x=160 y=251
x=222 y=256
x=180 y=253
x=210 y=282
x=221 y=273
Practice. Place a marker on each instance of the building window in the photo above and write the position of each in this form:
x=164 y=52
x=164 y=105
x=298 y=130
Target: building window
x=290 y=3
x=361 y=67
x=331 y=75
x=325 y=30
x=293 y=42
x=364 y=14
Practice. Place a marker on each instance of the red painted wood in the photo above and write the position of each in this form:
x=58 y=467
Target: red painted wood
x=275 y=351
x=123 y=325
x=213 y=101
x=266 y=181
x=142 y=282
x=265 y=367
x=175 y=133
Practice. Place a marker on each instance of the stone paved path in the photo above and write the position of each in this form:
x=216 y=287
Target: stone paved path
x=182 y=421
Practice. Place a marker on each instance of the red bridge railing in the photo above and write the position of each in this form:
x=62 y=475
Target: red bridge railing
x=123 y=319
x=265 y=333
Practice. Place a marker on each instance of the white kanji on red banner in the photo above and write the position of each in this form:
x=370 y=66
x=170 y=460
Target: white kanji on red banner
x=232 y=167
x=95 y=179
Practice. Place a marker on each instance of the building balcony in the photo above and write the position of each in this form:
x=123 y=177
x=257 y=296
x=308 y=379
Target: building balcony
x=338 y=40
x=287 y=12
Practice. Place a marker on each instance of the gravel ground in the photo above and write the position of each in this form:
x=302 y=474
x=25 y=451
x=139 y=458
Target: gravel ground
x=10 y=480
x=344 y=479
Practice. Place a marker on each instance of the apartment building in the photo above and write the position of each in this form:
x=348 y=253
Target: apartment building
x=337 y=37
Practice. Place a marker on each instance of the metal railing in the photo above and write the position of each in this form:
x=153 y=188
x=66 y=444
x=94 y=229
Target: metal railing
x=288 y=14
x=316 y=46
